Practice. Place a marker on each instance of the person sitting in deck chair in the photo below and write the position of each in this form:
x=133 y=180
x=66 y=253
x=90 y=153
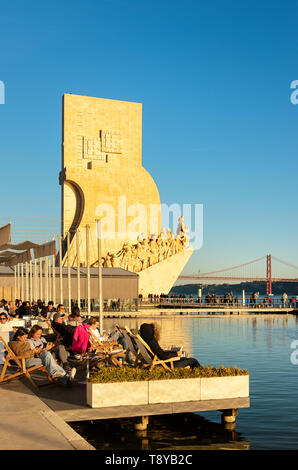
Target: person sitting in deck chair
x=65 y=331
x=37 y=356
x=81 y=343
x=75 y=318
x=150 y=333
x=59 y=352
x=3 y=320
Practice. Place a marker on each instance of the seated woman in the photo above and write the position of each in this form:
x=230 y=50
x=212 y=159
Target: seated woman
x=3 y=321
x=12 y=309
x=38 y=356
x=151 y=334
x=81 y=343
x=94 y=330
x=36 y=339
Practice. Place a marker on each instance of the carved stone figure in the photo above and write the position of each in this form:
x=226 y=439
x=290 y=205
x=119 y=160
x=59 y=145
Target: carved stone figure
x=146 y=252
x=107 y=261
x=181 y=232
x=153 y=254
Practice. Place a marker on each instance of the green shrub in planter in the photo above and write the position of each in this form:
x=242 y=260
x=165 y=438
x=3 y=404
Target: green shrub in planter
x=127 y=374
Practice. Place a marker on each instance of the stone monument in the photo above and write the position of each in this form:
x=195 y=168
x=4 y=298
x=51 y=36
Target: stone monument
x=102 y=177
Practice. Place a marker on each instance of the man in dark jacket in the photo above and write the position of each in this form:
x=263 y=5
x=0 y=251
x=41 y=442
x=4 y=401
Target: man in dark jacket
x=66 y=331
x=150 y=335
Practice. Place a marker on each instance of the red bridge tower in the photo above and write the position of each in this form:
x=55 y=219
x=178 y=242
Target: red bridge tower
x=269 y=276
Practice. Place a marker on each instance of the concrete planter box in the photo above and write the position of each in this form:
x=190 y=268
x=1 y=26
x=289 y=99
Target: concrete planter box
x=117 y=394
x=175 y=390
x=166 y=391
x=213 y=388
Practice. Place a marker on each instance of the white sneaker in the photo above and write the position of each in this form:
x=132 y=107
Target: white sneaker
x=58 y=374
x=72 y=374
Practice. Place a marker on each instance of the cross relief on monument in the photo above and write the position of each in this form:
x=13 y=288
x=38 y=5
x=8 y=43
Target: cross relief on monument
x=111 y=141
x=92 y=149
x=108 y=142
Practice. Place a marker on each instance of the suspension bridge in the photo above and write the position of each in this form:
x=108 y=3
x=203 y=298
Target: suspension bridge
x=190 y=305
x=241 y=273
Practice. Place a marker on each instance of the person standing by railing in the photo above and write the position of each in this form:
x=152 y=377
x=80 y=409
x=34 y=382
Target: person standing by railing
x=284 y=299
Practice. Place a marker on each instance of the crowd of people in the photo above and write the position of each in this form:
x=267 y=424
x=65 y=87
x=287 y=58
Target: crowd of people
x=73 y=336
x=227 y=299
x=18 y=308
x=31 y=344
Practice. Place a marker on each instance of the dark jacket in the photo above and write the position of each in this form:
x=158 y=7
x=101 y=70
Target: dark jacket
x=66 y=331
x=147 y=333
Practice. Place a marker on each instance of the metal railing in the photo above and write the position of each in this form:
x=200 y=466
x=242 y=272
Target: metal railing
x=203 y=303
x=109 y=305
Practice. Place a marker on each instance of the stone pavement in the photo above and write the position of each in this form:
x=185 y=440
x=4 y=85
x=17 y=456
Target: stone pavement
x=27 y=423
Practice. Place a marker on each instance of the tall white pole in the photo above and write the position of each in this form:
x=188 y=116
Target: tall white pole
x=27 y=281
x=15 y=281
x=68 y=272
x=18 y=281
x=243 y=297
x=99 y=277
x=78 y=267
x=30 y=279
x=60 y=270
x=50 y=278
x=22 y=280
x=88 y=270
x=40 y=279
x=35 y=279
x=46 y=273
x=54 y=279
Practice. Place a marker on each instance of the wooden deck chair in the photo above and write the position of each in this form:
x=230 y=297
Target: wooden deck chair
x=106 y=350
x=148 y=358
x=59 y=337
x=21 y=367
x=130 y=346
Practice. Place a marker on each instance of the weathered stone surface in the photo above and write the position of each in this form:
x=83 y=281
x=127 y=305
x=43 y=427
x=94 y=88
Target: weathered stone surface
x=171 y=391
x=102 y=164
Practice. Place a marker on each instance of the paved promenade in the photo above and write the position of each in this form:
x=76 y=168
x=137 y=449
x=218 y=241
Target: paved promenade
x=27 y=423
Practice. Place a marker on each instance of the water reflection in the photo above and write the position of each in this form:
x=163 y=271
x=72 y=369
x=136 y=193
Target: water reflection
x=260 y=344
x=167 y=432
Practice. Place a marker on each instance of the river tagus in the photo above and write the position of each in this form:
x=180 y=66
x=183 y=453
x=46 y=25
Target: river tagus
x=266 y=345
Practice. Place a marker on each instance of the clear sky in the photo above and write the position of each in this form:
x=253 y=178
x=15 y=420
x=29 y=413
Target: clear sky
x=219 y=128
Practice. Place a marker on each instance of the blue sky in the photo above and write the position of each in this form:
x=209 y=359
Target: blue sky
x=218 y=125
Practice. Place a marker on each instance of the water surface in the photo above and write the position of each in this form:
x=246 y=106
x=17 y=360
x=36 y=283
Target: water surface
x=259 y=343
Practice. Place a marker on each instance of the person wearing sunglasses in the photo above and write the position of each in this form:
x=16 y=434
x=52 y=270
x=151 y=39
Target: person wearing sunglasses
x=3 y=320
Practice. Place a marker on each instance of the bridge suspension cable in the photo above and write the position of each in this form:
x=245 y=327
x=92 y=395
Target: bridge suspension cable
x=268 y=278
x=284 y=262
x=234 y=267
